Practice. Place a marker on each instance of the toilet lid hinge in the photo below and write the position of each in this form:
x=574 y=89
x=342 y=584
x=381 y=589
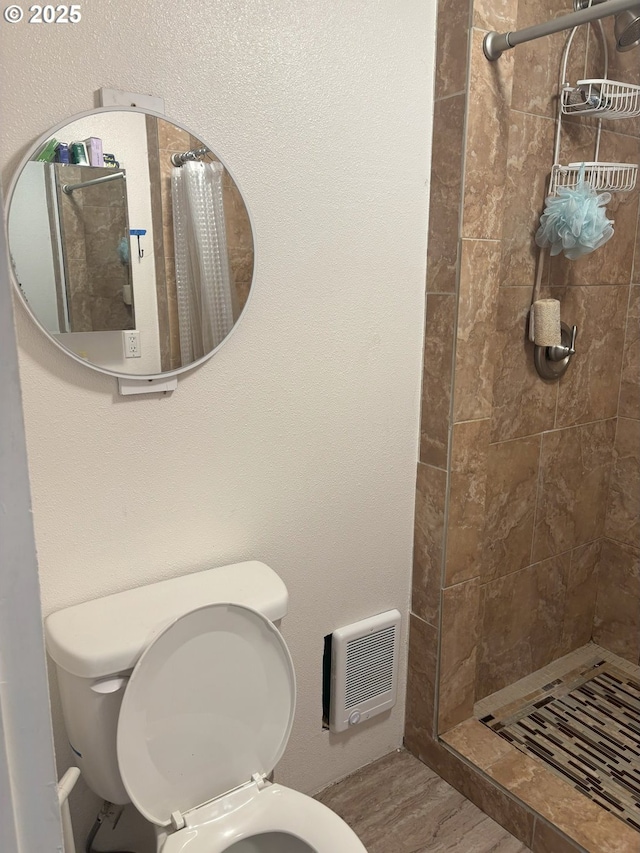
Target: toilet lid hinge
x=177 y=820
x=260 y=779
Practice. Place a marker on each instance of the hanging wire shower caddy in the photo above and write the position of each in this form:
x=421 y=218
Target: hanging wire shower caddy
x=599 y=98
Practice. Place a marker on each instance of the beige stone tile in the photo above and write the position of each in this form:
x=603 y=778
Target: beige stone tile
x=622 y=66
x=102 y=195
x=523 y=403
x=495 y=14
x=421 y=682
x=102 y=249
x=481 y=791
x=151 y=127
x=635 y=278
x=575 y=465
x=172 y=312
x=451 y=47
x=477 y=301
x=436 y=379
x=580 y=598
x=512 y=482
x=72 y=227
x=109 y=314
x=521 y=618
x=196 y=142
x=399 y=817
x=486 y=145
x=529 y=160
x=630 y=379
x=477 y=743
x=241 y=284
x=166 y=168
x=617 y=621
x=577 y=142
x=97 y=220
x=427 y=571
x=623 y=510
x=237 y=222
x=78 y=295
x=595 y=829
x=458 y=653
x=107 y=282
x=167 y=237
x=399 y=805
x=167 y=206
x=466 y=510
x=537 y=63
x=172 y=137
x=431 y=484
x=480 y=835
x=612 y=263
x=589 y=389
x=239 y=241
x=445 y=194
x=546 y=839
x=107 y=278
x=566 y=668
x=494 y=802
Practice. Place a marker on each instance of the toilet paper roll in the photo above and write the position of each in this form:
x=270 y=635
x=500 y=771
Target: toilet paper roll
x=545 y=319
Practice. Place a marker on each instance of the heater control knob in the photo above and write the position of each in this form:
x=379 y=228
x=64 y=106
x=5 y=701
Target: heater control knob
x=354 y=718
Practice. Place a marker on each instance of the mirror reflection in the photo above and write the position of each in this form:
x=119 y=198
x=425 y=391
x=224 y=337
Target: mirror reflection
x=131 y=243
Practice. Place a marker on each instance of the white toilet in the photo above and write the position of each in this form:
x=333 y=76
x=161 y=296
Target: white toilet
x=180 y=696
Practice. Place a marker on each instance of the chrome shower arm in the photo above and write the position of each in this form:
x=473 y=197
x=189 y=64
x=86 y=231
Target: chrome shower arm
x=495 y=44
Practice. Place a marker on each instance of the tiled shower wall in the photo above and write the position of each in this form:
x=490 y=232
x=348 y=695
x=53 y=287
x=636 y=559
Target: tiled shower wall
x=527 y=516
x=92 y=224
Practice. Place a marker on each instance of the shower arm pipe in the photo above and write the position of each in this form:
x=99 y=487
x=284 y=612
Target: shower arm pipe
x=69 y=188
x=495 y=44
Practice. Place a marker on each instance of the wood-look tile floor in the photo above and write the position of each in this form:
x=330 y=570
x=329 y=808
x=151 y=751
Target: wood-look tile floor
x=398 y=805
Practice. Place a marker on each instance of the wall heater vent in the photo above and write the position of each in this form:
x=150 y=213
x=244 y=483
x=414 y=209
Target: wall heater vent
x=364 y=670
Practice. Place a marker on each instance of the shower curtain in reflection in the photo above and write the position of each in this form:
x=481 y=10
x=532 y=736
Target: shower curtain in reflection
x=203 y=280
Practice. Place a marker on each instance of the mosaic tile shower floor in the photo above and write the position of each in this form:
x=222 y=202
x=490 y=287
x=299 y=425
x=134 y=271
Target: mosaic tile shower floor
x=586 y=728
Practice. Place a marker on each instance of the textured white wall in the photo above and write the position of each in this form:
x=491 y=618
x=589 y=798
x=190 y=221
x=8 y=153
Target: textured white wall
x=29 y=812
x=297 y=443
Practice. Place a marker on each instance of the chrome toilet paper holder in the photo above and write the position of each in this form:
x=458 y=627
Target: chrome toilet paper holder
x=552 y=362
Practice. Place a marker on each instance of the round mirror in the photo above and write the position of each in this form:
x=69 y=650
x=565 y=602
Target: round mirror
x=131 y=245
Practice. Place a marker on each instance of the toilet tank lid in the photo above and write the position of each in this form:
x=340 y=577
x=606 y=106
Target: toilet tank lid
x=107 y=635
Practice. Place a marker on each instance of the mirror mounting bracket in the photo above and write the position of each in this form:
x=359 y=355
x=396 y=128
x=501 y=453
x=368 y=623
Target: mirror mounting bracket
x=162 y=385
x=119 y=98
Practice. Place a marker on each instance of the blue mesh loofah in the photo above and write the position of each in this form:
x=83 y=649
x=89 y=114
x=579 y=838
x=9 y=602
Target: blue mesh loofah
x=575 y=221
x=123 y=251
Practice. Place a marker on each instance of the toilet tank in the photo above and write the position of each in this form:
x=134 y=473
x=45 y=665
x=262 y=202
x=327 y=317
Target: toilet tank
x=95 y=646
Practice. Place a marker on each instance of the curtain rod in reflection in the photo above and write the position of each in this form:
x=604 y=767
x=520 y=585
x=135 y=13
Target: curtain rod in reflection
x=195 y=154
x=69 y=188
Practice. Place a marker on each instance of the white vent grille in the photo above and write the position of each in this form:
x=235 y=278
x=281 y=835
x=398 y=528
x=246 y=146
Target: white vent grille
x=364 y=665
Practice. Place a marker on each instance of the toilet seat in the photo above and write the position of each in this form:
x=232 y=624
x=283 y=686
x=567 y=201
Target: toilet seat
x=205 y=717
x=272 y=809
x=209 y=706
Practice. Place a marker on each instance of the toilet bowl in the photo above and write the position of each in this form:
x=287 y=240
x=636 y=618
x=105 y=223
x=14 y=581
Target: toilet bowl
x=273 y=820
x=186 y=714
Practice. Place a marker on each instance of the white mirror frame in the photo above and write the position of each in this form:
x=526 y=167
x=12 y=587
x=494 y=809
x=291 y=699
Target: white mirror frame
x=127 y=379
